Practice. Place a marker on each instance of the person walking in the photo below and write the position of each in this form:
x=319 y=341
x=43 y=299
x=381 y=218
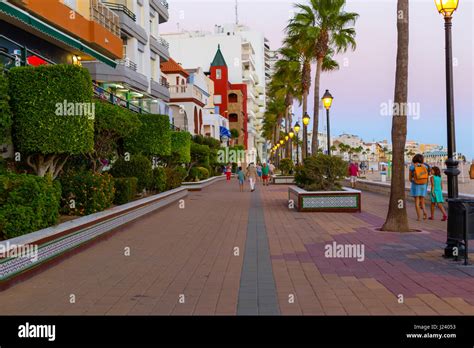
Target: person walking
x=259 y=172
x=353 y=173
x=418 y=176
x=271 y=168
x=252 y=175
x=228 y=172
x=265 y=172
x=241 y=177
x=437 y=193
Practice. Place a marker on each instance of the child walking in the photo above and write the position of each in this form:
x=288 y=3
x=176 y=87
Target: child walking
x=241 y=177
x=437 y=193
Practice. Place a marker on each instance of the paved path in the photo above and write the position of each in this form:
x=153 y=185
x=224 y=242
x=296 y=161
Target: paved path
x=184 y=261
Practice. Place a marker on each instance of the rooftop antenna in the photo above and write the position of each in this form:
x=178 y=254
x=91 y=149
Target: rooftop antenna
x=236 y=12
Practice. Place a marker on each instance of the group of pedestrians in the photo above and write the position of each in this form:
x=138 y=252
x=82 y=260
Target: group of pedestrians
x=253 y=173
x=420 y=175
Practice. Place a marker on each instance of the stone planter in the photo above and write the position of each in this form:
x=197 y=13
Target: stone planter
x=346 y=201
x=283 y=179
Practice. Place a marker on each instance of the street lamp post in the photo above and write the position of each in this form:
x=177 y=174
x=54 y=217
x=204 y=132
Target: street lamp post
x=306 y=119
x=447 y=8
x=291 y=134
x=327 y=102
x=297 y=130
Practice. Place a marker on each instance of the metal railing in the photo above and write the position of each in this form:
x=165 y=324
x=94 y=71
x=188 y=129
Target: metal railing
x=121 y=8
x=101 y=14
x=163 y=42
x=128 y=63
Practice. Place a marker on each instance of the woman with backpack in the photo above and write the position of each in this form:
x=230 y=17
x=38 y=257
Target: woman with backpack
x=418 y=176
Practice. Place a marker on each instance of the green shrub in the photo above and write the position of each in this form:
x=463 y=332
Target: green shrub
x=138 y=166
x=85 y=192
x=181 y=147
x=5 y=112
x=42 y=126
x=27 y=203
x=152 y=138
x=203 y=173
x=159 y=179
x=125 y=190
x=321 y=173
x=205 y=140
x=286 y=166
x=174 y=177
x=200 y=154
x=112 y=124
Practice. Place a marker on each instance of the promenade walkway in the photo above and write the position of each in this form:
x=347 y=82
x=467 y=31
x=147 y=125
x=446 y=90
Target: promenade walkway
x=246 y=253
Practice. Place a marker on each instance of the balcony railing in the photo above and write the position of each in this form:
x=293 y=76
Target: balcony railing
x=189 y=91
x=128 y=63
x=101 y=14
x=121 y=8
x=163 y=42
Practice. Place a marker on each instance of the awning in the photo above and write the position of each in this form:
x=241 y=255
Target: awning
x=224 y=132
x=56 y=34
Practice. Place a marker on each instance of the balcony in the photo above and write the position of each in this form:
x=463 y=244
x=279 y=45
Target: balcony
x=160 y=46
x=187 y=92
x=104 y=16
x=160 y=89
x=161 y=6
x=125 y=72
x=128 y=23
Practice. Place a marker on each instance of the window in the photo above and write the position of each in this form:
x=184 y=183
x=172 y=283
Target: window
x=218 y=74
x=233 y=98
x=233 y=118
x=217 y=99
x=153 y=69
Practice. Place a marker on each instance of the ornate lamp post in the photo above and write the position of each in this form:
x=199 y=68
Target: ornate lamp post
x=327 y=102
x=297 y=131
x=306 y=119
x=447 y=8
x=291 y=134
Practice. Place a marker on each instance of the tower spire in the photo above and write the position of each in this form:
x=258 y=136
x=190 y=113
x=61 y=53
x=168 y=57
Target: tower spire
x=236 y=12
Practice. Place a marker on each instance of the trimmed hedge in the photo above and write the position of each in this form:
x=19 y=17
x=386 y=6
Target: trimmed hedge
x=286 y=166
x=125 y=190
x=139 y=166
x=321 y=173
x=5 y=112
x=27 y=203
x=152 y=138
x=200 y=154
x=85 y=192
x=112 y=123
x=159 y=179
x=37 y=96
x=174 y=177
x=181 y=147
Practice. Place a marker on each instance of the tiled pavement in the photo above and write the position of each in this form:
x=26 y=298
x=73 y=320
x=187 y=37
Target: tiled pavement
x=279 y=267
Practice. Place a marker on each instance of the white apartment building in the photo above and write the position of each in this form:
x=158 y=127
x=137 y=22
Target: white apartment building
x=137 y=79
x=244 y=51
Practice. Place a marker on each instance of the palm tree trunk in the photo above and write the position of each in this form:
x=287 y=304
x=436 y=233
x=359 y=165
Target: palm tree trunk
x=317 y=80
x=397 y=220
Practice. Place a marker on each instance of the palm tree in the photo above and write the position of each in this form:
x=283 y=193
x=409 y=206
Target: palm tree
x=397 y=220
x=328 y=25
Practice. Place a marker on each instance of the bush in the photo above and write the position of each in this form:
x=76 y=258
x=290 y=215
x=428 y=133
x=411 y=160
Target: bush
x=286 y=166
x=159 y=179
x=112 y=124
x=200 y=154
x=174 y=177
x=138 y=167
x=203 y=173
x=205 y=140
x=321 y=173
x=125 y=190
x=181 y=147
x=152 y=138
x=49 y=115
x=5 y=112
x=85 y=192
x=27 y=203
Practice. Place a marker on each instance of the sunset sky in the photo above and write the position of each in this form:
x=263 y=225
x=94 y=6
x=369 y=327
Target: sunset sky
x=365 y=81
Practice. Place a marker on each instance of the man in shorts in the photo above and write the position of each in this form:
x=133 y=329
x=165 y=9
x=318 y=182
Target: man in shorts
x=353 y=173
x=265 y=174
